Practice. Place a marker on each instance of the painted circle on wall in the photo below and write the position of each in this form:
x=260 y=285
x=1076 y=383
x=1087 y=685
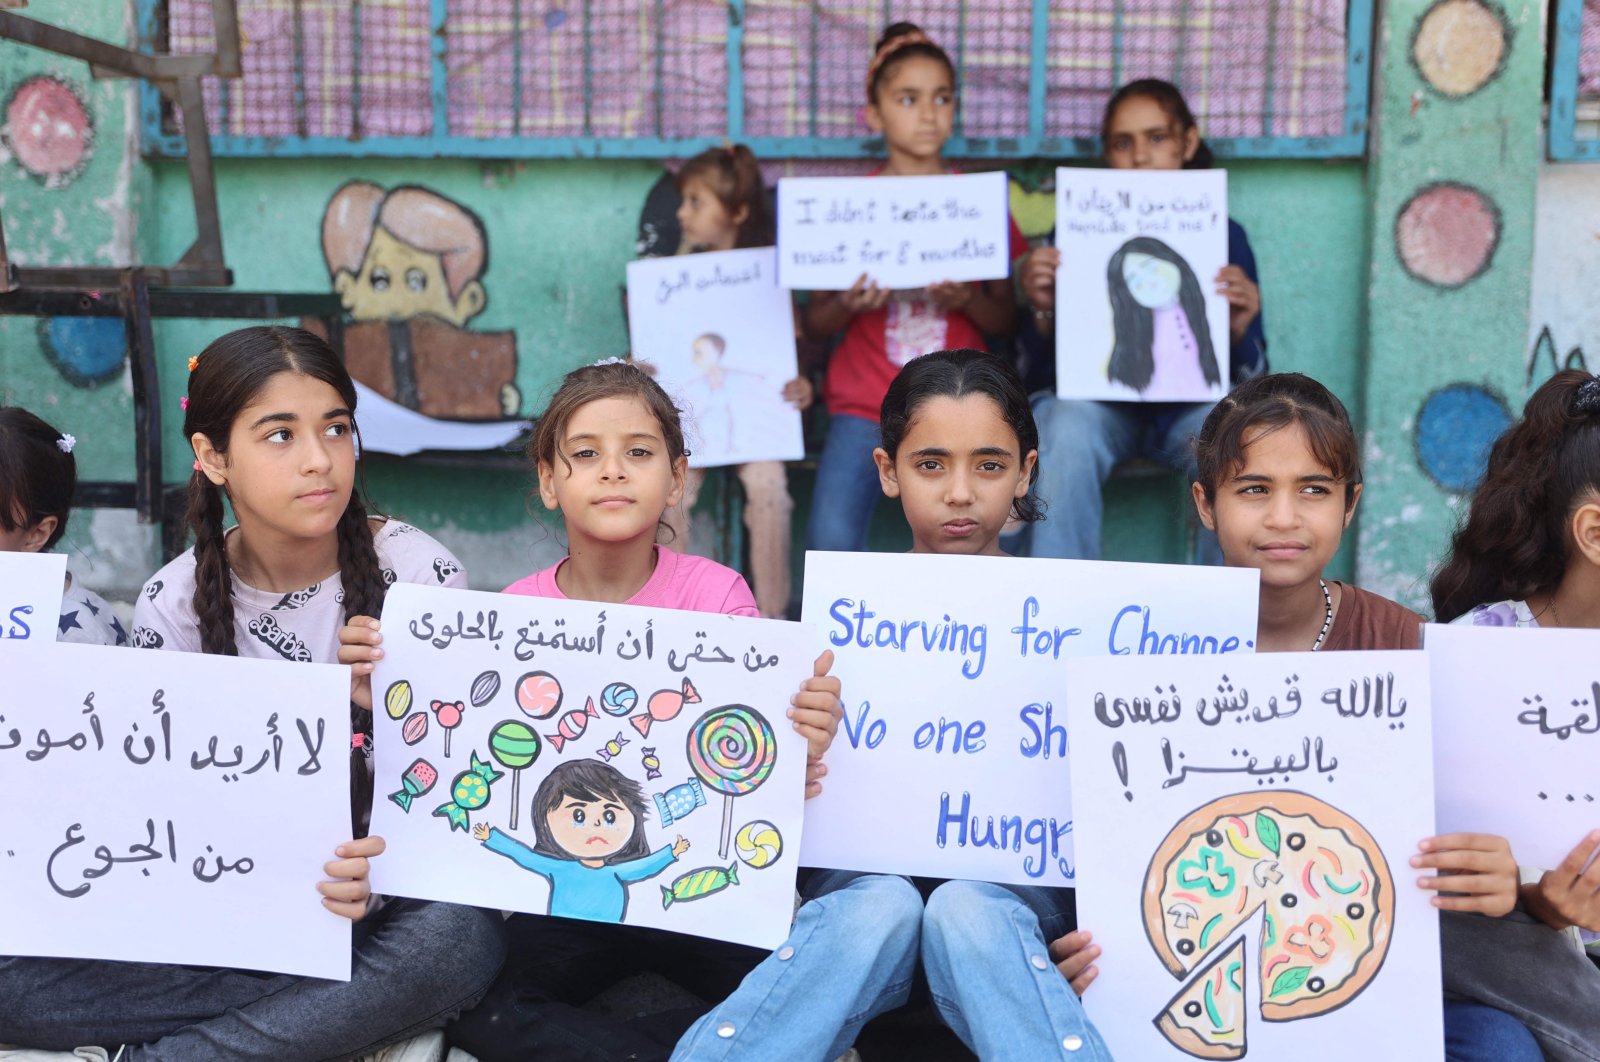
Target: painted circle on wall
x=48 y=130
x=1459 y=46
x=1456 y=426
x=85 y=350
x=1446 y=234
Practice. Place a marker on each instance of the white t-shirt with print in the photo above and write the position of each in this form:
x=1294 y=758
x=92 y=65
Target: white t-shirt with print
x=86 y=618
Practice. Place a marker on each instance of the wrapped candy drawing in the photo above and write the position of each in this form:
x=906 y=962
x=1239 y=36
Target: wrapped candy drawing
x=469 y=792
x=678 y=801
x=418 y=780
x=613 y=747
x=572 y=725
x=698 y=884
x=664 y=705
x=732 y=750
x=539 y=695
x=449 y=715
x=618 y=698
x=651 y=764
x=758 y=844
x=514 y=745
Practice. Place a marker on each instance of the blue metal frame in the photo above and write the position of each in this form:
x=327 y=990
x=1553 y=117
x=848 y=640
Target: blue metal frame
x=1350 y=143
x=1564 y=141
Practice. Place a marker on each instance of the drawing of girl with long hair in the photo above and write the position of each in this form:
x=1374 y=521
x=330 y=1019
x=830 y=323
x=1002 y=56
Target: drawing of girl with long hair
x=1161 y=343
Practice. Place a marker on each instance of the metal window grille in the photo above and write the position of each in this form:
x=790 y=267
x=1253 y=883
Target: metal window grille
x=663 y=78
x=1575 y=81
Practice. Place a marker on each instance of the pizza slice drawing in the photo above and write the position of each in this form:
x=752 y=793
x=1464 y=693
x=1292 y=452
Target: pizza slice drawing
x=1207 y=1017
x=1321 y=884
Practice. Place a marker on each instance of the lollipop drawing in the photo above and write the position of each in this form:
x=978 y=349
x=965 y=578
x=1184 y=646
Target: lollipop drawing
x=572 y=725
x=514 y=745
x=732 y=750
x=618 y=698
x=469 y=792
x=418 y=781
x=449 y=716
x=664 y=705
x=539 y=695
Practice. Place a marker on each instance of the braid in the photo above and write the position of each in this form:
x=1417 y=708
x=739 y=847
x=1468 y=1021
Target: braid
x=213 y=581
x=364 y=588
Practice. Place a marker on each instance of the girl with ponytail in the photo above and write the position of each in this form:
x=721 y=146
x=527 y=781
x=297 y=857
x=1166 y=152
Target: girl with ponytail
x=271 y=418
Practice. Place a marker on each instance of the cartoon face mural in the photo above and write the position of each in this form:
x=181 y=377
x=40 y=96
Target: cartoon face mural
x=408 y=264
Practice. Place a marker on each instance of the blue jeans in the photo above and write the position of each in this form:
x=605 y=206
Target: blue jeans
x=847 y=489
x=850 y=956
x=985 y=950
x=1477 y=1032
x=1080 y=442
x=416 y=965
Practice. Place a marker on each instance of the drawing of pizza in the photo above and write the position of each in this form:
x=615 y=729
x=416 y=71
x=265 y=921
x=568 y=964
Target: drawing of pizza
x=1328 y=912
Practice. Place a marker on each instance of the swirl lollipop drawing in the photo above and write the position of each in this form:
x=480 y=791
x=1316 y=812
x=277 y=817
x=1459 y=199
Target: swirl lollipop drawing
x=732 y=750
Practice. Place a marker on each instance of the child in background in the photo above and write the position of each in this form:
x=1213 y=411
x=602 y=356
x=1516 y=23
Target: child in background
x=610 y=457
x=37 y=478
x=271 y=420
x=911 y=101
x=1279 y=479
x=725 y=207
x=1528 y=555
x=1147 y=126
x=959 y=449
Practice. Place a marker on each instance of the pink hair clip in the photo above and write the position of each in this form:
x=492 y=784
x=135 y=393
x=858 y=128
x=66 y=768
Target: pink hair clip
x=183 y=403
x=197 y=464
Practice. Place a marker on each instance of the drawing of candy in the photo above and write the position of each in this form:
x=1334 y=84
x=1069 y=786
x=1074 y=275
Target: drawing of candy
x=469 y=792
x=651 y=763
x=415 y=728
x=678 y=801
x=732 y=750
x=618 y=698
x=758 y=844
x=417 y=781
x=539 y=695
x=664 y=705
x=397 y=699
x=573 y=724
x=613 y=747
x=449 y=713
x=514 y=745
x=698 y=884
x=484 y=688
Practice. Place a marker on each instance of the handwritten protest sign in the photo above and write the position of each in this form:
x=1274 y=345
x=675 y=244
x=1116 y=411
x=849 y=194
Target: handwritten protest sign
x=591 y=760
x=1520 y=706
x=954 y=741
x=720 y=333
x=1136 y=304
x=903 y=232
x=173 y=807
x=30 y=597
x=1244 y=828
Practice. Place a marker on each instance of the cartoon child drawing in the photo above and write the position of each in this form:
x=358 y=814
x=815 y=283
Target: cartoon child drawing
x=713 y=408
x=408 y=266
x=588 y=821
x=1162 y=343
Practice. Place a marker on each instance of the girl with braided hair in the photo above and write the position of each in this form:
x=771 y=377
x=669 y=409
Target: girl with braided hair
x=271 y=418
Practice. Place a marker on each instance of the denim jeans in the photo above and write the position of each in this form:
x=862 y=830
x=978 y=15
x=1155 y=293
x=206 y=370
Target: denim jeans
x=1080 y=442
x=985 y=950
x=1522 y=967
x=850 y=956
x=1477 y=1032
x=847 y=489
x=416 y=965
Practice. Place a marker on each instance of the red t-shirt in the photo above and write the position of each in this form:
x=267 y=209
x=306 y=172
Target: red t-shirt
x=877 y=345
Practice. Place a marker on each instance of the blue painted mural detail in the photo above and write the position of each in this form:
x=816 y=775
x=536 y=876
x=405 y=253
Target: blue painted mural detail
x=87 y=351
x=1456 y=427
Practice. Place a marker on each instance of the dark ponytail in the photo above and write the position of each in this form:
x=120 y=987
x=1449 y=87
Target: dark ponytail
x=1515 y=540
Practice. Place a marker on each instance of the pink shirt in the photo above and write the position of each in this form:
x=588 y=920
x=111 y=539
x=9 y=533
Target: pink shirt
x=1176 y=353
x=681 y=580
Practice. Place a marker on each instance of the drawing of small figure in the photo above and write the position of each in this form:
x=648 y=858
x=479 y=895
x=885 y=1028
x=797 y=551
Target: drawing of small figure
x=588 y=821
x=713 y=388
x=408 y=266
x=1161 y=343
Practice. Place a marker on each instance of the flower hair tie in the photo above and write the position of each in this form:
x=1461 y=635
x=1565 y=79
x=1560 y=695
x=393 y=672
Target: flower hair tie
x=1586 y=403
x=66 y=443
x=194 y=362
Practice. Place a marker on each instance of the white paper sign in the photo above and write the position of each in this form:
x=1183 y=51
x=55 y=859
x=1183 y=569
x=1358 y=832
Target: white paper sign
x=1137 y=314
x=31 y=585
x=952 y=758
x=173 y=807
x=516 y=734
x=1520 y=706
x=720 y=333
x=903 y=232
x=1244 y=828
